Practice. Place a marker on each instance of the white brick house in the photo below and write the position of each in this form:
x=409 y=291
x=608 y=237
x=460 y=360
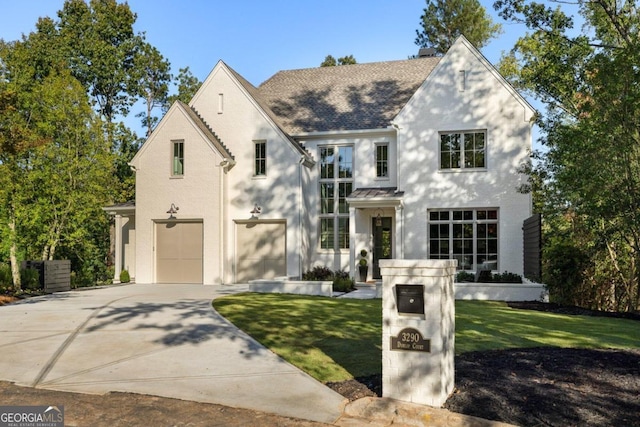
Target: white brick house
x=412 y=159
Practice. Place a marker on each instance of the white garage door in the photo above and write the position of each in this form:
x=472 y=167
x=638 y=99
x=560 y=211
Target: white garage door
x=262 y=251
x=179 y=252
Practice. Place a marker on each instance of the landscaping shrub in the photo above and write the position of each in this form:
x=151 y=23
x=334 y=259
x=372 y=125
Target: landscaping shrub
x=318 y=273
x=5 y=276
x=30 y=279
x=124 y=276
x=342 y=282
x=507 y=277
x=465 y=276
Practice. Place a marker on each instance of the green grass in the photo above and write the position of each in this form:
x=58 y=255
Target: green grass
x=338 y=339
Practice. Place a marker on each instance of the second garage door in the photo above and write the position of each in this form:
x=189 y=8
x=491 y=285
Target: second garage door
x=179 y=252
x=262 y=252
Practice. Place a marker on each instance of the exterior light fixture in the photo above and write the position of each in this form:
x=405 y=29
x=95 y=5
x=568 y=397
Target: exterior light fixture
x=172 y=210
x=379 y=218
x=256 y=211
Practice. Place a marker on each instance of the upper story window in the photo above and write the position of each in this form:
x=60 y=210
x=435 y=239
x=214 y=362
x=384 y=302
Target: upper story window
x=336 y=183
x=382 y=160
x=463 y=150
x=260 y=158
x=177 y=164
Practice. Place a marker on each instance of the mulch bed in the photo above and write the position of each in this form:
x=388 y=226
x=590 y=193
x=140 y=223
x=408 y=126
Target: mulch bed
x=541 y=386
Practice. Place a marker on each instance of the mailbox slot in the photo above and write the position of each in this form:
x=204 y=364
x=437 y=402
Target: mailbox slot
x=410 y=299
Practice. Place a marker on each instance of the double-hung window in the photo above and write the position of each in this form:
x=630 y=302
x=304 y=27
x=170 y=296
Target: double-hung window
x=177 y=163
x=463 y=150
x=260 y=158
x=468 y=235
x=382 y=160
x=336 y=183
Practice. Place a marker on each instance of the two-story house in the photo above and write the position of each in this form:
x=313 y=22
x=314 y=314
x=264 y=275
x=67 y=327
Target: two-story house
x=412 y=159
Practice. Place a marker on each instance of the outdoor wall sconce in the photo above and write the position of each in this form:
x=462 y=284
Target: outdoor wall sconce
x=379 y=219
x=172 y=210
x=256 y=211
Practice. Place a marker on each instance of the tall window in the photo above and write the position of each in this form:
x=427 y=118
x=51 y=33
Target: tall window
x=382 y=160
x=177 y=166
x=463 y=150
x=260 y=158
x=336 y=183
x=468 y=235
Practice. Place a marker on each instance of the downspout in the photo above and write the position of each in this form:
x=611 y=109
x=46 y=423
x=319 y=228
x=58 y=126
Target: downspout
x=225 y=165
x=300 y=207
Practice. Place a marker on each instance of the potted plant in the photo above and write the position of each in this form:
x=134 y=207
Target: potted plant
x=363 y=267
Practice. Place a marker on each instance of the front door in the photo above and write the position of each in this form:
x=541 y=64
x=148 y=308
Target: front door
x=382 y=239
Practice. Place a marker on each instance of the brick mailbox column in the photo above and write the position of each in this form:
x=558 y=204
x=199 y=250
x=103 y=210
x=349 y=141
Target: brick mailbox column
x=418 y=330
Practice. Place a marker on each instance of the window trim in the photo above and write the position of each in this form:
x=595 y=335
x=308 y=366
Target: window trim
x=450 y=221
x=173 y=169
x=263 y=160
x=338 y=181
x=462 y=167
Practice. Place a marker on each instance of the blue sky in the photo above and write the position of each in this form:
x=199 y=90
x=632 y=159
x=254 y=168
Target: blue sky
x=257 y=38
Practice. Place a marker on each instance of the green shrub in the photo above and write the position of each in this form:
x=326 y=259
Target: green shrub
x=124 y=276
x=318 y=273
x=30 y=279
x=507 y=277
x=6 y=280
x=465 y=276
x=342 y=282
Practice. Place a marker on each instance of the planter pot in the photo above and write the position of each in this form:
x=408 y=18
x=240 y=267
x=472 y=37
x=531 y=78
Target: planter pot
x=364 y=271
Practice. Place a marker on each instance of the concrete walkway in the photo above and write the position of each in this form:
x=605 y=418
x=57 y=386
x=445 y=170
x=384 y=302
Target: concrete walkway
x=163 y=340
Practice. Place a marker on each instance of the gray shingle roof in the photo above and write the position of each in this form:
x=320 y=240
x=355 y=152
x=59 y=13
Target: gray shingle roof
x=345 y=97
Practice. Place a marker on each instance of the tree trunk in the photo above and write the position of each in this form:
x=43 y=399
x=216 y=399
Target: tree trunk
x=13 y=257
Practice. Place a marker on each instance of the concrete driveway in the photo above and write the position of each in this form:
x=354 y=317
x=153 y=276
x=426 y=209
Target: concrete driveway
x=163 y=340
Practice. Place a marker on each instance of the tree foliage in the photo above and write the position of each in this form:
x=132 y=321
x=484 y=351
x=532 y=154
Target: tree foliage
x=188 y=85
x=590 y=170
x=443 y=21
x=63 y=155
x=330 y=61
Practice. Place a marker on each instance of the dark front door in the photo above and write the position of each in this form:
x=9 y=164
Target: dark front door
x=382 y=239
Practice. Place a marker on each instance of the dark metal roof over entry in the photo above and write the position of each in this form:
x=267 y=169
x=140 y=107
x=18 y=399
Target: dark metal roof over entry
x=377 y=196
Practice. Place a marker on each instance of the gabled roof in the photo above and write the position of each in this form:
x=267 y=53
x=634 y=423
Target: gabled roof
x=204 y=127
x=255 y=94
x=344 y=97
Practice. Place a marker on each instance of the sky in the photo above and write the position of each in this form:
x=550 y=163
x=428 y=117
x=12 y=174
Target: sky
x=257 y=38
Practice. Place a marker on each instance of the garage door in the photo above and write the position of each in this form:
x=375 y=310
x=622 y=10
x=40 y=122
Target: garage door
x=179 y=252
x=262 y=252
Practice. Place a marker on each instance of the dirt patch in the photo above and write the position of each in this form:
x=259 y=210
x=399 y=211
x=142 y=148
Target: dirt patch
x=540 y=386
x=129 y=409
x=7 y=299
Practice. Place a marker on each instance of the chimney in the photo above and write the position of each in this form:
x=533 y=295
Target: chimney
x=426 y=52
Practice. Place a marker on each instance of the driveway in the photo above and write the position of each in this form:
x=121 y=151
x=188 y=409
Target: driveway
x=163 y=340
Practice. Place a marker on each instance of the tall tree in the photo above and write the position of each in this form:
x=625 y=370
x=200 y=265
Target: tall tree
x=443 y=21
x=154 y=77
x=187 y=85
x=330 y=61
x=591 y=167
x=101 y=48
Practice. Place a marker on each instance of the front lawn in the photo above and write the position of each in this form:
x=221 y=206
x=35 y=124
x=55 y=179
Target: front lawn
x=339 y=339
